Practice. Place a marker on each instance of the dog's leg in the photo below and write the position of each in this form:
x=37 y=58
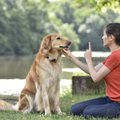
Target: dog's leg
x=38 y=101
x=45 y=100
x=46 y=104
x=57 y=100
x=31 y=104
x=42 y=100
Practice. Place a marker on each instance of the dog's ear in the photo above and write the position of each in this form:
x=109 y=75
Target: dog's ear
x=46 y=43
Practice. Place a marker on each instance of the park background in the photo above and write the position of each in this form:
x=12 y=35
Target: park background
x=24 y=23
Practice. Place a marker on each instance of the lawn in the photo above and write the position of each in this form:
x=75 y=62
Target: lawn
x=66 y=101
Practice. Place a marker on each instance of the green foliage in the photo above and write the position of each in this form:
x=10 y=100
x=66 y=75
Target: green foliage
x=4 y=46
x=100 y=5
x=80 y=74
x=23 y=24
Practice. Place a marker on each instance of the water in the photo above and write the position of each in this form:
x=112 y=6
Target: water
x=14 y=67
x=14 y=86
x=18 y=66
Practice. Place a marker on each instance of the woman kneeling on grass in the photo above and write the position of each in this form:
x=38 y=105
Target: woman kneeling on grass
x=109 y=69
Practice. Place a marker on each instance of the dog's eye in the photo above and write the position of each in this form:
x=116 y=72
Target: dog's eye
x=58 y=38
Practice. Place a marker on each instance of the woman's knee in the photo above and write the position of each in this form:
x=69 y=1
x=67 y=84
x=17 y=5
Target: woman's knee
x=73 y=110
x=92 y=111
x=88 y=112
x=76 y=109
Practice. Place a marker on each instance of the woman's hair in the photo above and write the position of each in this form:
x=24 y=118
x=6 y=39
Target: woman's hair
x=114 y=29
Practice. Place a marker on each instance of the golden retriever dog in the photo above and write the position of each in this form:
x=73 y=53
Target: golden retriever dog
x=42 y=86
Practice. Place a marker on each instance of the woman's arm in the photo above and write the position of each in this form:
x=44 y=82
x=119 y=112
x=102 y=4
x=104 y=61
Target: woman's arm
x=99 y=74
x=78 y=63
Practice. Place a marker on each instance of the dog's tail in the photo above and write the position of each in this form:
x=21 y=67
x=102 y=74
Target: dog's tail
x=6 y=106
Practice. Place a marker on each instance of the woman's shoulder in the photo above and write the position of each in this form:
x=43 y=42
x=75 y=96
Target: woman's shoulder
x=115 y=54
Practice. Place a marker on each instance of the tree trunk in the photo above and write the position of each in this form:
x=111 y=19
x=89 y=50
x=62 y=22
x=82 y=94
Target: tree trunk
x=84 y=84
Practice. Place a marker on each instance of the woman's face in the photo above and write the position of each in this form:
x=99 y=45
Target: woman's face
x=106 y=39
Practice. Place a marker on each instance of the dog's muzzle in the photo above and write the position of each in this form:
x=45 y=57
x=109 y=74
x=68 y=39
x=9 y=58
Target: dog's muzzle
x=67 y=46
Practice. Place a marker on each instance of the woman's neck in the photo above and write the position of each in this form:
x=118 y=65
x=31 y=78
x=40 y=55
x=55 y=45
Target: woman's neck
x=114 y=47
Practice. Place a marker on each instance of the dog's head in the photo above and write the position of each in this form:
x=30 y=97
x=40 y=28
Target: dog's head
x=52 y=46
x=54 y=41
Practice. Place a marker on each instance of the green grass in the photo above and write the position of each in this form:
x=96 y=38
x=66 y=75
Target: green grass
x=66 y=101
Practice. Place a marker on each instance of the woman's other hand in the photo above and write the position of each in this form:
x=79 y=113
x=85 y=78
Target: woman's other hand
x=88 y=53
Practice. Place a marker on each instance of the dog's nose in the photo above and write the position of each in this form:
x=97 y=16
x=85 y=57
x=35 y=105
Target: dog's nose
x=69 y=43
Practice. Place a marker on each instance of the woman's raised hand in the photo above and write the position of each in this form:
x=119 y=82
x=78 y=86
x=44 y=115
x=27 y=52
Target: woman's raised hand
x=88 y=53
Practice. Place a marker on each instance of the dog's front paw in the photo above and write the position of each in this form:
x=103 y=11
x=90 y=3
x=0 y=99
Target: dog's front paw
x=47 y=112
x=61 y=113
x=27 y=111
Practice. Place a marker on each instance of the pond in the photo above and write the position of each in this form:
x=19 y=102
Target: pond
x=18 y=66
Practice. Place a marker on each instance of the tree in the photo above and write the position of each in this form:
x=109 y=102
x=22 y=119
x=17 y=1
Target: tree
x=102 y=5
x=23 y=24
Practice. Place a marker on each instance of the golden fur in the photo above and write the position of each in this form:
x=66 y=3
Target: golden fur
x=42 y=87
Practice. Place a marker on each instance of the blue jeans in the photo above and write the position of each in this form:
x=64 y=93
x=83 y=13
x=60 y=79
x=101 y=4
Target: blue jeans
x=99 y=107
